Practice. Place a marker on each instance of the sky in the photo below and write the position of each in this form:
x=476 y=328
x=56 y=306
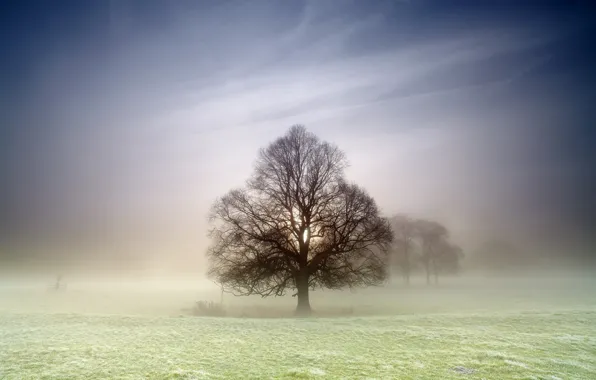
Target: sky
x=122 y=121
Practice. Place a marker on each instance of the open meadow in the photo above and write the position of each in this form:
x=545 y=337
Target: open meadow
x=465 y=329
x=399 y=189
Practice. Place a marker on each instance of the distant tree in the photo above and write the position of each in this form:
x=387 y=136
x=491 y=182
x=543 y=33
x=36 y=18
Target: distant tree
x=405 y=234
x=449 y=258
x=59 y=284
x=433 y=238
x=297 y=224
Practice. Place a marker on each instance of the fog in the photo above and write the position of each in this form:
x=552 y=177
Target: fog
x=153 y=296
x=119 y=132
x=467 y=129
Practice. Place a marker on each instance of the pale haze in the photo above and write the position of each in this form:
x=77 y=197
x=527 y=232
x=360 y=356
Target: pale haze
x=126 y=124
x=131 y=119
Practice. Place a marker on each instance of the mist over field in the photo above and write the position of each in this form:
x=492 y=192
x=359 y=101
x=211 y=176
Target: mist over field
x=175 y=296
x=268 y=189
x=123 y=327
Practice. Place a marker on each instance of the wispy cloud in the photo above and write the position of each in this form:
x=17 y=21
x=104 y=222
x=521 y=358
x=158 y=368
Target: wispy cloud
x=282 y=93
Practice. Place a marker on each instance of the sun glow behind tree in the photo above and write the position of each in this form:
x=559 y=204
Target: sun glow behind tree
x=298 y=225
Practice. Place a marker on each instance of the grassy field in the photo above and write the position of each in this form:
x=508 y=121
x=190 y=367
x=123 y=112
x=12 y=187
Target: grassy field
x=490 y=333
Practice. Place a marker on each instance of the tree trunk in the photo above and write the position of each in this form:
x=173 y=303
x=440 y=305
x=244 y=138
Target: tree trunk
x=303 y=308
x=427 y=268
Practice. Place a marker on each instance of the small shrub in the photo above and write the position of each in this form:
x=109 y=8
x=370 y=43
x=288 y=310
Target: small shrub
x=209 y=309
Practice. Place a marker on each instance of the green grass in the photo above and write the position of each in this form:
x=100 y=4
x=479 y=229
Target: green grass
x=499 y=346
x=462 y=330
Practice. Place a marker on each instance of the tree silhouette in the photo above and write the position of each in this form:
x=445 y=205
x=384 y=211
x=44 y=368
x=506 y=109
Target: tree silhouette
x=298 y=225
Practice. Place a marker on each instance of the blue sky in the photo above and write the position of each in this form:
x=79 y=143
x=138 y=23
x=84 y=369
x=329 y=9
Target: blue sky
x=135 y=115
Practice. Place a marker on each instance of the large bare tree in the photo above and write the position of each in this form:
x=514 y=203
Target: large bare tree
x=297 y=224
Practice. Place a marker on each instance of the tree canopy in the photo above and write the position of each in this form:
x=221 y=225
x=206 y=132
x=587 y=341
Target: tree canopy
x=298 y=224
x=424 y=241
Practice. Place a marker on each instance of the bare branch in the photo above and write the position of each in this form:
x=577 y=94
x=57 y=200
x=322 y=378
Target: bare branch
x=297 y=220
